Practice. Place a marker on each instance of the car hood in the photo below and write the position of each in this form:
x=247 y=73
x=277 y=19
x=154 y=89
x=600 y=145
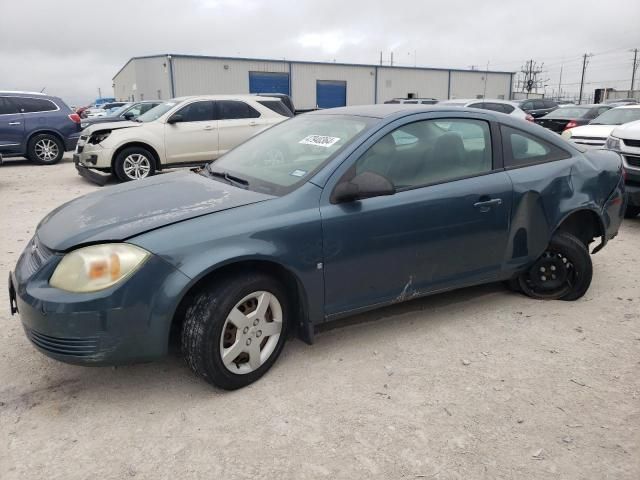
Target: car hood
x=592 y=131
x=120 y=212
x=629 y=130
x=94 y=127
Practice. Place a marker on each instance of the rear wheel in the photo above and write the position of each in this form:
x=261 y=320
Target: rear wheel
x=45 y=149
x=631 y=211
x=563 y=272
x=235 y=329
x=134 y=163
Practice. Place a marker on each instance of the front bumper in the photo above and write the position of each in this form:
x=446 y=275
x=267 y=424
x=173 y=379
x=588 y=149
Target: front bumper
x=127 y=323
x=633 y=195
x=91 y=159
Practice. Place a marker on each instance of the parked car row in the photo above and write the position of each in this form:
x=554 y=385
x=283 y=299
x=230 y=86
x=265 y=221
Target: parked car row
x=180 y=132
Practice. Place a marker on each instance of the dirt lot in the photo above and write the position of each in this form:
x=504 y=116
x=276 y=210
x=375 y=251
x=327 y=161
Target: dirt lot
x=479 y=383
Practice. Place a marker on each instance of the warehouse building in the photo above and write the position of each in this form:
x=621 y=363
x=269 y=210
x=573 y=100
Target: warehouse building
x=310 y=84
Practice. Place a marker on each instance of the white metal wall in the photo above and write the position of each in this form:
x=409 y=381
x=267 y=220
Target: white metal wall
x=124 y=81
x=148 y=77
x=200 y=76
x=472 y=85
x=143 y=79
x=399 y=82
x=360 y=83
x=153 y=80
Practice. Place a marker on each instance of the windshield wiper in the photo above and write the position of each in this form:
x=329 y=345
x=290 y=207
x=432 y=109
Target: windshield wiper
x=232 y=179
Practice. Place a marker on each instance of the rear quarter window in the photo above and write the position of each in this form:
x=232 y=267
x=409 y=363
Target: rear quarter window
x=277 y=106
x=33 y=105
x=522 y=149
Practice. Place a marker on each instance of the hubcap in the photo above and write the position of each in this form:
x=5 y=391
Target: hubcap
x=136 y=166
x=46 y=150
x=251 y=332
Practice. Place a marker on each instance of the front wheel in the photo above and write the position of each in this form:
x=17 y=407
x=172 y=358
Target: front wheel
x=563 y=272
x=234 y=329
x=134 y=163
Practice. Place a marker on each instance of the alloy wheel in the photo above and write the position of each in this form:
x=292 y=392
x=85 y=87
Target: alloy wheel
x=136 y=166
x=46 y=150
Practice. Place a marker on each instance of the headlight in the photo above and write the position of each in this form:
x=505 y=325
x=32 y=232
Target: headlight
x=99 y=137
x=612 y=143
x=97 y=267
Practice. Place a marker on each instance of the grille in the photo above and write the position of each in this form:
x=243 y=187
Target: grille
x=632 y=161
x=632 y=143
x=589 y=140
x=76 y=347
x=35 y=255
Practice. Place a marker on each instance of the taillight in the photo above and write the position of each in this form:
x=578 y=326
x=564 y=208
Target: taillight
x=74 y=117
x=529 y=118
x=571 y=124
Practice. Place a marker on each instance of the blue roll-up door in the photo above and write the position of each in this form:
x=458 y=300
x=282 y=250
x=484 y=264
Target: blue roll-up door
x=268 y=82
x=331 y=93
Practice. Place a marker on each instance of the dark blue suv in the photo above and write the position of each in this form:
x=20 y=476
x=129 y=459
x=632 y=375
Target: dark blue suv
x=38 y=126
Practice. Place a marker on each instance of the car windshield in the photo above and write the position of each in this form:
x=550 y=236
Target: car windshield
x=157 y=111
x=120 y=110
x=569 y=112
x=617 y=116
x=285 y=156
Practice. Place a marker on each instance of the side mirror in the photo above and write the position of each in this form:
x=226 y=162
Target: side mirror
x=363 y=185
x=175 y=118
x=129 y=115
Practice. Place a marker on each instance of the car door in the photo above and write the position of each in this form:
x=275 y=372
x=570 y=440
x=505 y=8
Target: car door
x=237 y=121
x=11 y=126
x=446 y=226
x=194 y=137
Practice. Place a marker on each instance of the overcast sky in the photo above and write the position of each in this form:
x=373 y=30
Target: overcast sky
x=72 y=47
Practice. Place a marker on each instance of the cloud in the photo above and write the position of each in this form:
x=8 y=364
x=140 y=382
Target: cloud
x=328 y=42
x=74 y=47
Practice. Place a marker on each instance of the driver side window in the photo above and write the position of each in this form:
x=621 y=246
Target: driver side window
x=429 y=152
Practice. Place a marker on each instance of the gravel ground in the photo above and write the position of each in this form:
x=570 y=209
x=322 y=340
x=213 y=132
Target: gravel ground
x=478 y=383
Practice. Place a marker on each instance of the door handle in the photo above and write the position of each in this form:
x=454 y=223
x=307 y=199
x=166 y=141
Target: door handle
x=208 y=127
x=253 y=124
x=14 y=123
x=485 y=205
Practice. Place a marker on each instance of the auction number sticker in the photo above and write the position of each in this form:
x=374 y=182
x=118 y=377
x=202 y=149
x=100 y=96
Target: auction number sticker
x=319 y=140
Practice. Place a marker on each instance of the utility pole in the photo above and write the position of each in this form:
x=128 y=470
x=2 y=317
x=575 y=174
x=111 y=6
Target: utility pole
x=99 y=93
x=531 y=81
x=633 y=72
x=560 y=83
x=392 y=59
x=486 y=74
x=584 y=68
x=380 y=57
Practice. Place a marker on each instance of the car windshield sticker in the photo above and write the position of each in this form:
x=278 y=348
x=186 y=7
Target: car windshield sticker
x=298 y=173
x=319 y=140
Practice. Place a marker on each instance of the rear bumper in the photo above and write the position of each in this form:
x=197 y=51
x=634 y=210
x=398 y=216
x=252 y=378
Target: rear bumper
x=71 y=141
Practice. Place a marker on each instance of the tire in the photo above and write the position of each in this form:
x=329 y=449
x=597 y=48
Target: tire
x=631 y=211
x=209 y=329
x=45 y=149
x=134 y=163
x=563 y=272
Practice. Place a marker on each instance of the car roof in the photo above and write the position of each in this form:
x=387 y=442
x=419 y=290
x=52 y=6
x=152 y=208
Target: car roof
x=465 y=101
x=384 y=110
x=18 y=92
x=244 y=96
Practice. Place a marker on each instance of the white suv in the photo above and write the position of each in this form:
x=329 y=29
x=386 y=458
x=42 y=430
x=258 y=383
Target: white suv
x=180 y=132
